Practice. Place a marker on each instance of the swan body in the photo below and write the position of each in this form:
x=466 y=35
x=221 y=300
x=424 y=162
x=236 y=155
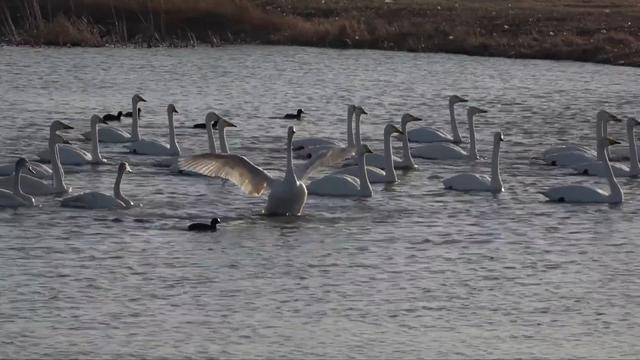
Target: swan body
x=287 y=196
x=154 y=147
x=375 y=175
x=569 y=154
x=345 y=185
x=308 y=147
x=98 y=200
x=72 y=155
x=17 y=198
x=449 y=151
x=598 y=168
x=111 y=134
x=34 y=186
x=475 y=182
x=430 y=135
x=589 y=194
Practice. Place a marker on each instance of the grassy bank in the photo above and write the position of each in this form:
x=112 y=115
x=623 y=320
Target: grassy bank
x=605 y=31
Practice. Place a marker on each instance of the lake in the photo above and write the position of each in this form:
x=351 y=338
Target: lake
x=414 y=271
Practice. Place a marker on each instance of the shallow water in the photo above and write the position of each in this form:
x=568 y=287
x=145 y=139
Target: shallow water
x=415 y=271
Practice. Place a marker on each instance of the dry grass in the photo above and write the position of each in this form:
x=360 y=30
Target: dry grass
x=588 y=30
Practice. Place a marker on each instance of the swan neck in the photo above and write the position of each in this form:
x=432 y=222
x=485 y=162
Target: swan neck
x=616 y=195
x=135 y=135
x=454 y=125
x=407 y=160
x=212 y=141
x=116 y=189
x=496 y=180
x=365 y=185
x=358 y=140
x=95 y=145
x=350 y=141
x=223 y=139
x=601 y=130
x=56 y=167
x=634 y=169
x=173 y=144
x=290 y=175
x=473 y=151
x=389 y=171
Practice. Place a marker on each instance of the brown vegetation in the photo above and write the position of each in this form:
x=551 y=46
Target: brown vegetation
x=588 y=30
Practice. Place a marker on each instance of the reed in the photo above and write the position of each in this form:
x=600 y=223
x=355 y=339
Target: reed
x=590 y=30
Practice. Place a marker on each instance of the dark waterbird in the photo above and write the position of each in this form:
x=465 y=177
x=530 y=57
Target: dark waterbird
x=297 y=115
x=205 y=227
x=130 y=114
x=111 y=117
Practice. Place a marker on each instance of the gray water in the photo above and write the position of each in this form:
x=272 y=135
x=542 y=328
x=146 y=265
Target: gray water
x=415 y=271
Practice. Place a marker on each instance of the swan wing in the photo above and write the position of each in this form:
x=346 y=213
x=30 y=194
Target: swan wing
x=238 y=169
x=325 y=158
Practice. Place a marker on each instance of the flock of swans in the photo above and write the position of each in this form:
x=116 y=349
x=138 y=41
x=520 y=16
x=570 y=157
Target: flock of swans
x=356 y=164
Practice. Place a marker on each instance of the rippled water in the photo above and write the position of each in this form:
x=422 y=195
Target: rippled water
x=415 y=271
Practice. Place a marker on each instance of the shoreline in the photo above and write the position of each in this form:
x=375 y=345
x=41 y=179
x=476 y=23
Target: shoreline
x=546 y=29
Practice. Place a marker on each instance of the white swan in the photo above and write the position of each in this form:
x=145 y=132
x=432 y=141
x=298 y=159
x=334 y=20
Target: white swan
x=154 y=147
x=597 y=168
x=73 y=155
x=221 y=124
x=589 y=194
x=98 y=200
x=287 y=196
x=16 y=198
x=568 y=158
x=379 y=160
x=571 y=154
x=345 y=185
x=301 y=147
x=41 y=171
x=374 y=174
x=34 y=186
x=449 y=151
x=475 y=182
x=111 y=134
x=429 y=134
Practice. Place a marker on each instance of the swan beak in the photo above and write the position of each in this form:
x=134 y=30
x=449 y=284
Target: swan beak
x=615 y=118
x=415 y=118
x=461 y=99
x=66 y=127
x=397 y=130
x=128 y=169
x=175 y=111
x=613 y=141
x=140 y=98
x=501 y=137
x=230 y=124
x=364 y=112
x=30 y=169
x=482 y=111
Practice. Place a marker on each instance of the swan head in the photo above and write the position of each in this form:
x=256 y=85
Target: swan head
x=97 y=119
x=607 y=141
x=137 y=98
x=171 y=109
x=211 y=117
x=631 y=122
x=124 y=168
x=454 y=99
x=222 y=123
x=215 y=221
x=351 y=109
x=407 y=118
x=364 y=149
x=291 y=131
x=473 y=110
x=300 y=112
x=59 y=125
x=60 y=140
x=360 y=111
x=391 y=128
x=23 y=163
x=604 y=115
x=497 y=136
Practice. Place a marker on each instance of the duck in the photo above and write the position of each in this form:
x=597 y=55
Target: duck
x=16 y=198
x=475 y=182
x=98 y=200
x=111 y=117
x=73 y=155
x=211 y=227
x=449 y=151
x=110 y=134
x=154 y=147
x=430 y=134
x=38 y=187
x=128 y=114
x=586 y=193
x=297 y=115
